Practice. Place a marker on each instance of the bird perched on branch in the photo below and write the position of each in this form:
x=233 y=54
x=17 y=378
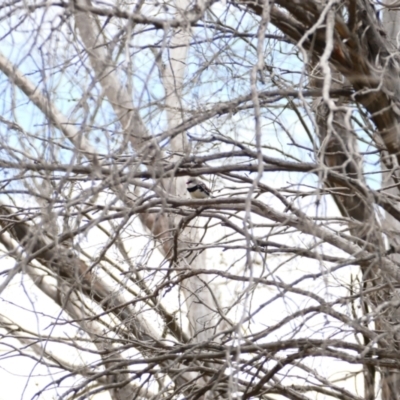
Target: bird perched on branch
x=197 y=189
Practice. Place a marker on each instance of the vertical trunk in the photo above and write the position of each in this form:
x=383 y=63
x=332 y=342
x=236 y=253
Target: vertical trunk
x=338 y=147
x=198 y=297
x=390 y=380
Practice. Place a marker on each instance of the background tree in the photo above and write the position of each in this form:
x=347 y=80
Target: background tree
x=116 y=283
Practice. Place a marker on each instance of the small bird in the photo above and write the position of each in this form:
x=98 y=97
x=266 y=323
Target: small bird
x=197 y=189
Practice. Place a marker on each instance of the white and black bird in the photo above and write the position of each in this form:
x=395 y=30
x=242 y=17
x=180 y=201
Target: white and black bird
x=197 y=189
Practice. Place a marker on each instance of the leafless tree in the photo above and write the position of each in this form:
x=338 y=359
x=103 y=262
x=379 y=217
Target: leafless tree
x=115 y=282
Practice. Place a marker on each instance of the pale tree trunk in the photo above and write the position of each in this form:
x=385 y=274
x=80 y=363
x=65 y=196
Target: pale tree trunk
x=198 y=298
x=391 y=22
x=199 y=301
